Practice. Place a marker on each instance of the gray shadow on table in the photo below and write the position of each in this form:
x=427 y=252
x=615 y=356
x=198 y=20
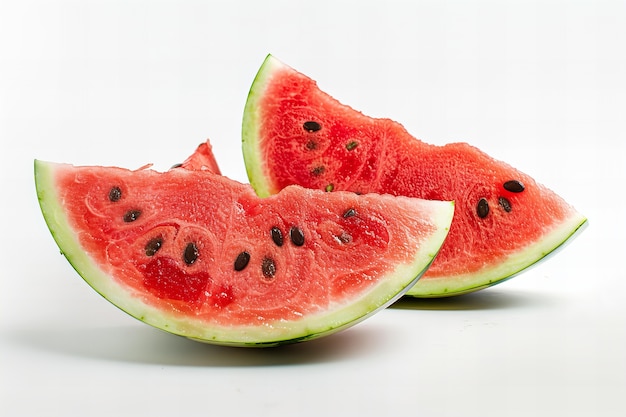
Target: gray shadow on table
x=481 y=300
x=143 y=344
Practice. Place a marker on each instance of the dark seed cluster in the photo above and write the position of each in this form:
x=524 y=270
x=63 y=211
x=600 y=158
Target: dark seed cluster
x=191 y=252
x=344 y=237
x=268 y=265
x=513 y=186
x=312 y=126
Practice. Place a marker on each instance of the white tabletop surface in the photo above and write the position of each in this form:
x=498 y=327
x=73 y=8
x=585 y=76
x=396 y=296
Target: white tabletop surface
x=539 y=84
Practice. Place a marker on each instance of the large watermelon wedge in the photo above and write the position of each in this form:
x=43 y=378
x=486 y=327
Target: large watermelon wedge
x=294 y=133
x=202 y=256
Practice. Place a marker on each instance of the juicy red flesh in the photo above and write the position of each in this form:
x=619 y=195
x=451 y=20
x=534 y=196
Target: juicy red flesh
x=499 y=210
x=184 y=252
x=164 y=278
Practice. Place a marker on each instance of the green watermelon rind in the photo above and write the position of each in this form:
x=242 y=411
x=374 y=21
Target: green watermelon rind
x=255 y=167
x=391 y=288
x=517 y=263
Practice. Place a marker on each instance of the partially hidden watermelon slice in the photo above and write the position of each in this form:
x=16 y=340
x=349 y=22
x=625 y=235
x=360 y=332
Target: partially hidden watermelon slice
x=201 y=160
x=294 y=133
x=202 y=256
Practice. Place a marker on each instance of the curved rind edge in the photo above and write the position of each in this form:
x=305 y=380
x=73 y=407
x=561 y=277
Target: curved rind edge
x=250 y=125
x=390 y=289
x=517 y=263
x=70 y=247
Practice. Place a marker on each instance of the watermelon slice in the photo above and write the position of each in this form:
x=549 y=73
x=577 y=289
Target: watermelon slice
x=201 y=160
x=202 y=256
x=294 y=133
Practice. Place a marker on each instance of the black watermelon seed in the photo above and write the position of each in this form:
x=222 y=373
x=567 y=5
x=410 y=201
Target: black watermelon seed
x=242 y=261
x=505 y=204
x=277 y=236
x=153 y=246
x=311 y=126
x=268 y=267
x=176 y=165
x=191 y=253
x=514 y=186
x=317 y=171
x=132 y=215
x=115 y=194
x=482 y=209
x=349 y=213
x=351 y=145
x=311 y=145
x=297 y=236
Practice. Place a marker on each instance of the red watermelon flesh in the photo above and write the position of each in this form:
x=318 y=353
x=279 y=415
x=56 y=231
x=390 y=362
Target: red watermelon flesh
x=294 y=133
x=202 y=160
x=202 y=256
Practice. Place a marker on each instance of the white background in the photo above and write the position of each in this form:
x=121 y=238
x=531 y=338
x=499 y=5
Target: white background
x=539 y=84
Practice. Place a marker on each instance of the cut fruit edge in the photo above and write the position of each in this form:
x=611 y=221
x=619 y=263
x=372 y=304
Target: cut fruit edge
x=389 y=289
x=255 y=167
x=563 y=234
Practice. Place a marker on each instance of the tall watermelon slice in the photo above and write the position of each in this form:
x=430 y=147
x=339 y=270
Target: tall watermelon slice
x=294 y=133
x=202 y=256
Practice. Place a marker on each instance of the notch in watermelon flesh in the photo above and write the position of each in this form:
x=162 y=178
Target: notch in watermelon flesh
x=202 y=256
x=294 y=133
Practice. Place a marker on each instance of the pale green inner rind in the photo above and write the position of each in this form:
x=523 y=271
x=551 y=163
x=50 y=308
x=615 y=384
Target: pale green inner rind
x=71 y=248
x=510 y=267
x=390 y=287
x=255 y=165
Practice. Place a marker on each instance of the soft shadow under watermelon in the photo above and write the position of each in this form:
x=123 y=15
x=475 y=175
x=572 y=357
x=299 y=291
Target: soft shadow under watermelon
x=483 y=300
x=142 y=344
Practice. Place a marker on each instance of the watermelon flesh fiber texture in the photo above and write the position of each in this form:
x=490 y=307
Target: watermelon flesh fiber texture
x=202 y=256
x=294 y=133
